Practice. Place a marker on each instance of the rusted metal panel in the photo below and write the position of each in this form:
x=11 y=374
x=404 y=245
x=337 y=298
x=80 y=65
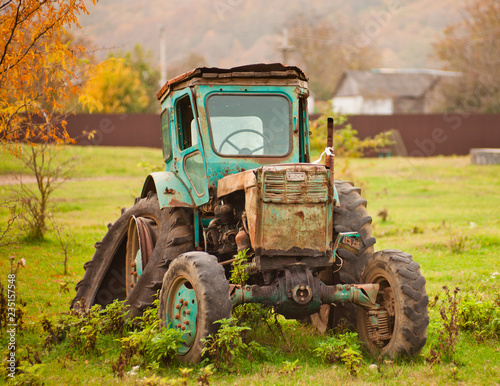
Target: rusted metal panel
x=292 y=217
x=290 y=187
x=274 y=70
x=234 y=182
x=291 y=229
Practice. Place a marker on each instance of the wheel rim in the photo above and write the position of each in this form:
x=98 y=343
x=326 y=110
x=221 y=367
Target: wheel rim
x=386 y=316
x=182 y=311
x=141 y=239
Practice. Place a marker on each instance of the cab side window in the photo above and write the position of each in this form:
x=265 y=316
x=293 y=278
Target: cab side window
x=165 y=128
x=184 y=122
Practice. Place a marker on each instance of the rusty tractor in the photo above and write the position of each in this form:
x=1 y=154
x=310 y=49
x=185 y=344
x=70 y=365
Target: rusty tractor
x=238 y=177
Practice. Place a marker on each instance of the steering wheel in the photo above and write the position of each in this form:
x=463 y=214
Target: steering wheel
x=243 y=150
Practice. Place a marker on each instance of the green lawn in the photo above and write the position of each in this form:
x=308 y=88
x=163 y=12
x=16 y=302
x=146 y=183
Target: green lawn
x=443 y=210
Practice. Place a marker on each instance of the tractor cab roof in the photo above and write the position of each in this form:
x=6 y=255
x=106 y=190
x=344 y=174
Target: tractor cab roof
x=214 y=75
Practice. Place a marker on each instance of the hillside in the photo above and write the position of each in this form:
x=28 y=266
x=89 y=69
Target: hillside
x=233 y=32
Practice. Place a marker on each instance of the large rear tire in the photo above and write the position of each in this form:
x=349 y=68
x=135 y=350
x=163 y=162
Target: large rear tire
x=351 y=216
x=402 y=328
x=194 y=295
x=107 y=275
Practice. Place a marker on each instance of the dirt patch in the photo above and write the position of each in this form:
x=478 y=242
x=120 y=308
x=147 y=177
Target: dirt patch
x=14 y=179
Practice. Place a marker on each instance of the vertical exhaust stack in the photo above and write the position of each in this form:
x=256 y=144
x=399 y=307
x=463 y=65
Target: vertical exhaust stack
x=330 y=156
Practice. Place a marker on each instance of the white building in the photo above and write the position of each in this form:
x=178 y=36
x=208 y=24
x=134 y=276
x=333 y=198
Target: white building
x=386 y=91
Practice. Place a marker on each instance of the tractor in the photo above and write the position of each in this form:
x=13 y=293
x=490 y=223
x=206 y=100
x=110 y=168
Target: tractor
x=238 y=178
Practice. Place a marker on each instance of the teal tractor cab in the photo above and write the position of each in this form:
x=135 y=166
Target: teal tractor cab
x=238 y=178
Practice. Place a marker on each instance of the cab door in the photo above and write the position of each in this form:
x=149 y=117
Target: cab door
x=190 y=163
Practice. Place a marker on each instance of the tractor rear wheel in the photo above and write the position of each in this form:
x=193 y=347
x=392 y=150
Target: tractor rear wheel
x=194 y=295
x=130 y=261
x=403 y=318
x=351 y=216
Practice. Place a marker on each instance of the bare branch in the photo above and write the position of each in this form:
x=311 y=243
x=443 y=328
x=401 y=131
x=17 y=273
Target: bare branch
x=5 y=237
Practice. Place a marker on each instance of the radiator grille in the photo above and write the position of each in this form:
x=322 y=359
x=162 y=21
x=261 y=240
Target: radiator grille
x=301 y=187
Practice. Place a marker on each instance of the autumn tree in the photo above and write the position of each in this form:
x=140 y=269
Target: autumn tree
x=471 y=47
x=37 y=66
x=325 y=50
x=126 y=82
x=142 y=61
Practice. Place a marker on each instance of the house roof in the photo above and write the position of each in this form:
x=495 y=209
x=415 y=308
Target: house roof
x=384 y=83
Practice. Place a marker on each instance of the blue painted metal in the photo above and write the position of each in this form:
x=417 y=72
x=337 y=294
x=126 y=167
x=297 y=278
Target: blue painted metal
x=171 y=189
x=217 y=166
x=196 y=229
x=336 y=196
x=138 y=262
x=182 y=312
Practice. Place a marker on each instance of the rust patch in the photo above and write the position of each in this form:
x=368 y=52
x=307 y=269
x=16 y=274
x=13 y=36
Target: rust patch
x=300 y=215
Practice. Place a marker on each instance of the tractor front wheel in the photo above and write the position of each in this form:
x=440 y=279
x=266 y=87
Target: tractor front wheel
x=399 y=327
x=194 y=295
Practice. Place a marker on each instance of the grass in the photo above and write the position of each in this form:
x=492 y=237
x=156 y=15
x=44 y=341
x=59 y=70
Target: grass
x=443 y=210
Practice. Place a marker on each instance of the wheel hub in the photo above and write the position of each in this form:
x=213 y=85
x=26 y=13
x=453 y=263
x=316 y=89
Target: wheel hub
x=182 y=314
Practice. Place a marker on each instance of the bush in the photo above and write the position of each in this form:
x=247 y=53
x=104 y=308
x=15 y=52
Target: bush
x=345 y=141
x=228 y=347
x=343 y=348
x=151 y=345
x=481 y=317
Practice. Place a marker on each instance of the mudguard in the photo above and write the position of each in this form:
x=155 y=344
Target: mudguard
x=171 y=190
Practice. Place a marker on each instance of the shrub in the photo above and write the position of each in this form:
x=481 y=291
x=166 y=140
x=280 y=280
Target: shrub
x=444 y=348
x=481 y=317
x=343 y=348
x=152 y=345
x=227 y=346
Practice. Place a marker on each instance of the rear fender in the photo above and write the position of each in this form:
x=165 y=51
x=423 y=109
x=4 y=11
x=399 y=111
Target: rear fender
x=171 y=191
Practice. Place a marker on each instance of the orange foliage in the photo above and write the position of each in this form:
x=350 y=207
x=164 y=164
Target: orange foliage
x=37 y=66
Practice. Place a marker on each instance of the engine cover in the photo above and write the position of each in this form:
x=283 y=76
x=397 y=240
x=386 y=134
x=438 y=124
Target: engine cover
x=294 y=214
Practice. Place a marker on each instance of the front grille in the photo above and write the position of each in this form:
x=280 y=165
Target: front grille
x=295 y=187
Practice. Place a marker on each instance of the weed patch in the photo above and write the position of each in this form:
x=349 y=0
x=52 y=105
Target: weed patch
x=113 y=185
x=227 y=347
x=344 y=347
x=480 y=316
x=444 y=348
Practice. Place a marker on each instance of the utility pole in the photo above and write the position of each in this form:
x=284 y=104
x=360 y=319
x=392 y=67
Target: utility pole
x=163 y=56
x=285 y=47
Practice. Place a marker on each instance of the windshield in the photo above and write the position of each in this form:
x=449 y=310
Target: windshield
x=257 y=125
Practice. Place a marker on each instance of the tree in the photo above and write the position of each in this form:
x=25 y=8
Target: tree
x=37 y=66
x=471 y=48
x=141 y=61
x=114 y=87
x=126 y=82
x=325 y=51
x=51 y=167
